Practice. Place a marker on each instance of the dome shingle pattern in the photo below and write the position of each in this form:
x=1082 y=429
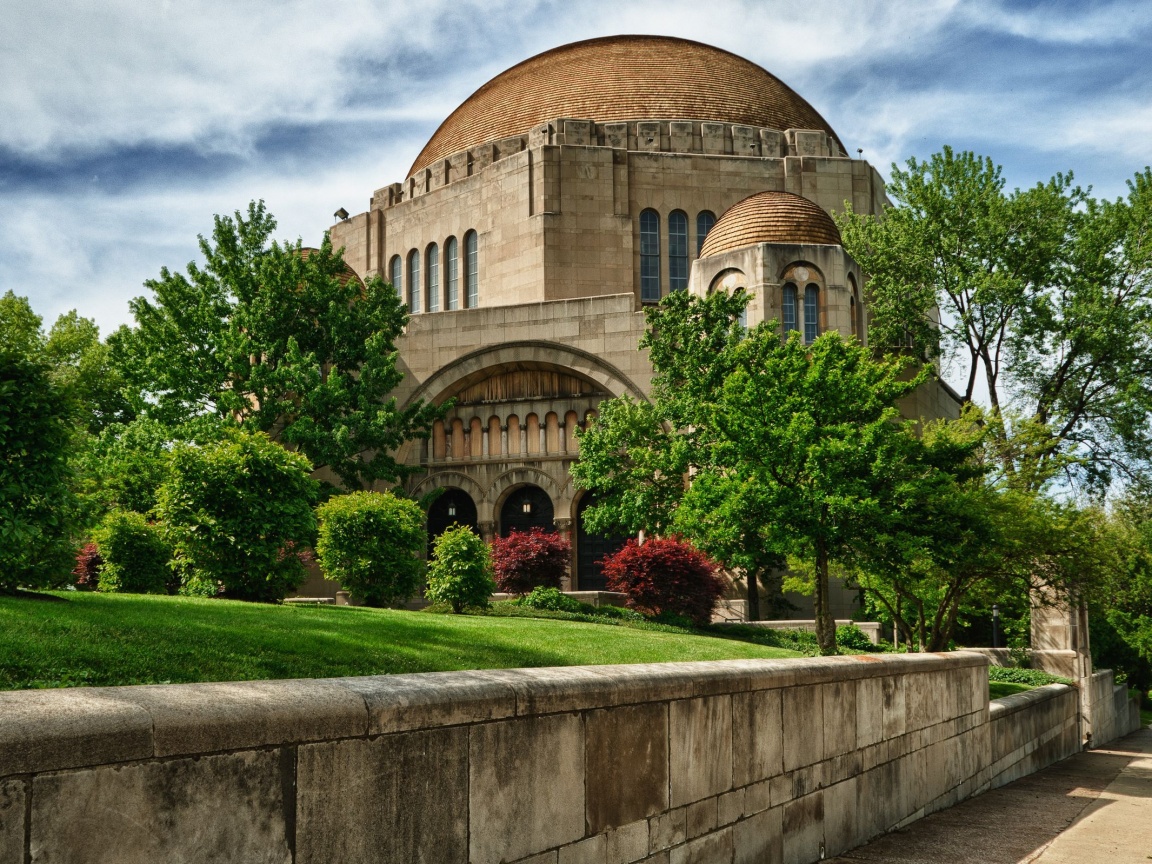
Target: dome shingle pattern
x=618 y=78
x=771 y=217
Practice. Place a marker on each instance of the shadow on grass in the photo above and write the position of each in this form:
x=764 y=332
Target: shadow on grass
x=129 y=639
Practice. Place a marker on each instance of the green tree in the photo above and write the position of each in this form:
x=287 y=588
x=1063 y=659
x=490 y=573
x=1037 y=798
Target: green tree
x=37 y=506
x=753 y=448
x=237 y=511
x=1045 y=300
x=1122 y=609
x=461 y=570
x=280 y=340
x=370 y=542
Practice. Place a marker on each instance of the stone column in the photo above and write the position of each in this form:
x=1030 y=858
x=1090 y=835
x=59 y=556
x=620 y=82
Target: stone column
x=504 y=439
x=563 y=438
x=564 y=529
x=484 y=450
x=487 y=530
x=1060 y=645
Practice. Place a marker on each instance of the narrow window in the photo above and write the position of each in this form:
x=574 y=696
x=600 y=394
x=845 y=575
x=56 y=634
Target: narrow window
x=452 y=256
x=471 y=270
x=414 y=281
x=789 y=310
x=649 y=256
x=432 y=269
x=677 y=251
x=397 y=274
x=743 y=319
x=705 y=219
x=811 y=310
x=852 y=314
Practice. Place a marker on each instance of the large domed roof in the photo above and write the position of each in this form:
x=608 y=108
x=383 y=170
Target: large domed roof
x=619 y=78
x=770 y=217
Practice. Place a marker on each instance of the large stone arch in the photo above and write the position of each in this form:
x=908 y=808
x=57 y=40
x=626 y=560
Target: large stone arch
x=475 y=365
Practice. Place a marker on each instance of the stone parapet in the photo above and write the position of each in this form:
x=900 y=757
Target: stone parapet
x=746 y=760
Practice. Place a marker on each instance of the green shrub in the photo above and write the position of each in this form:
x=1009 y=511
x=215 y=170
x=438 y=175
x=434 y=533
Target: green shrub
x=370 y=543
x=618 y=612
x=135 y=555
x=461 y=570
x=554 y=600
x=852 y=638
x=238 y=510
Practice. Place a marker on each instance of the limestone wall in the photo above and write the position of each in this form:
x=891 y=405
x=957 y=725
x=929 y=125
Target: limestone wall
x=691 y=762
x=1031 y=730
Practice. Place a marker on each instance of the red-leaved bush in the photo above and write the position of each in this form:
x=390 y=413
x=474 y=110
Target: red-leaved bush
x=88 y=564
x=528 y=559
x=665 y=574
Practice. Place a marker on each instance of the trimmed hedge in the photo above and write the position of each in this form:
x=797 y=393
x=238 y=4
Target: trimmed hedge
x=370 y=543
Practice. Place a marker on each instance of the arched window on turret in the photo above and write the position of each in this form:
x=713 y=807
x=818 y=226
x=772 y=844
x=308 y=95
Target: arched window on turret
x=789 y=310
x=677 y=250
x=705 y=219
x=396 y=274
x=432 y=274
x=414 y=281
x=452 y=265
x=471 y=270
x=811 y=313
x=649 y=256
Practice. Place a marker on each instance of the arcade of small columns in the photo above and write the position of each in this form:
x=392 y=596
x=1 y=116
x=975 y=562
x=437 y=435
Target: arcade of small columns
x=458 y=439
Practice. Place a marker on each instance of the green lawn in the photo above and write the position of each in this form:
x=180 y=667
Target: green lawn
x=105 y=639
x=999 y=689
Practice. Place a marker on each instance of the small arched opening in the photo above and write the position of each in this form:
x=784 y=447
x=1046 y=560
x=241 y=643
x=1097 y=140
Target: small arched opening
x=526 y=508
x=453 y=507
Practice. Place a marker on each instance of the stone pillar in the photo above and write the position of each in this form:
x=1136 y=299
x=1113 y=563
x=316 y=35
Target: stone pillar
x=564 y=529
x=485 y=452
x=487 y=530
x=1060 y=645
x=504 y=439
x=563 y=438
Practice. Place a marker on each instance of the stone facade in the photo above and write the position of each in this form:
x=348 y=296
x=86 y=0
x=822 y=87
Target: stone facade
x=542 y=323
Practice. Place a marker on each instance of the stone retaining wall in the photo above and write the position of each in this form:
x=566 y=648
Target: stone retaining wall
x=735 y=761
x=1031 y=730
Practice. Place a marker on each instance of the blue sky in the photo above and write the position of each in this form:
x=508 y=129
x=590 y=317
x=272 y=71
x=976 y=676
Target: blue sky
x=125 y=124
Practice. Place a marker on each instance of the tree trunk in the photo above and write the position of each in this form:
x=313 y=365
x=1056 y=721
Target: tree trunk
x=825 y=623
x=753 y=579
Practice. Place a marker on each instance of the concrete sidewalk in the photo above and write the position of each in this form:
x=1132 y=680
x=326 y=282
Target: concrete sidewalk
x=1092 y=807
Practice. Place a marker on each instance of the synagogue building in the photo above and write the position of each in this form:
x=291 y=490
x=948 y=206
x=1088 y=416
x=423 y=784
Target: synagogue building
x=556 y=203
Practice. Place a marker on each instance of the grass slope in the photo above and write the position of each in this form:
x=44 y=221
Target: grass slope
x=106 y=639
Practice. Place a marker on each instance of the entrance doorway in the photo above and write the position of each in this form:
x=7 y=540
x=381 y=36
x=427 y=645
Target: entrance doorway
x=526 y=508
x=591 y=549
x=453 y=507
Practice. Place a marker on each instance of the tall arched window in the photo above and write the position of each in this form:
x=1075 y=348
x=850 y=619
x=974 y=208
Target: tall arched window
x=705 y=219
x=396 y=272
x=471 y=270
x=789 y=308
x=677 y=250
x=649 y=256
x=432 y=271
x=452 y=264
x=811 y=313
x=414 y=281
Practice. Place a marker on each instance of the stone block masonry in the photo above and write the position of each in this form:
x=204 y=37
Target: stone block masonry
x=737 y=761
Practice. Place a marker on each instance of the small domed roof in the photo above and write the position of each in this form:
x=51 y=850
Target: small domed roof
x=771 y=217
x=617 y=78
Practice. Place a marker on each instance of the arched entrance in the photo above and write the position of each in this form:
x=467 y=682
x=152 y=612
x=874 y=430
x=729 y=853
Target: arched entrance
x=453 y=507
x=590 y=549
x=525 y=508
